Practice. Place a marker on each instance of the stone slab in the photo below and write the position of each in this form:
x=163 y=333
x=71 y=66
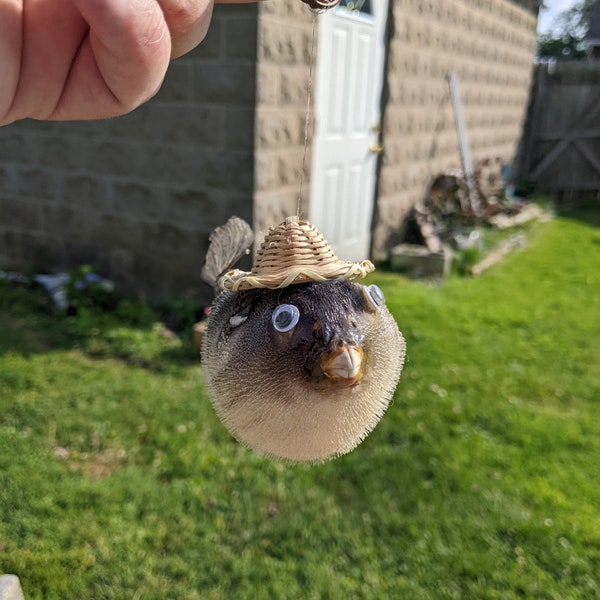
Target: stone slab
x=418 y=261
x=10 y=588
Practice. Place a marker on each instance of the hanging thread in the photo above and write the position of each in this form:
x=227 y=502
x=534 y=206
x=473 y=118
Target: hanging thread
x=317 y=7
x=307 y=116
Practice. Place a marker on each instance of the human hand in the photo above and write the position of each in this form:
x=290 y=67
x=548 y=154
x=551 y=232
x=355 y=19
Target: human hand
x=91 y=59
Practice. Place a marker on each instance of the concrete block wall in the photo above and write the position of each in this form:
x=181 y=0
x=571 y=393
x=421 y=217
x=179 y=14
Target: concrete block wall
x=283 y=61
x=490 y=44
x=138 y=195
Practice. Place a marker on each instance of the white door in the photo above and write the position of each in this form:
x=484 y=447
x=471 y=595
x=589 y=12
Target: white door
x=347 y=123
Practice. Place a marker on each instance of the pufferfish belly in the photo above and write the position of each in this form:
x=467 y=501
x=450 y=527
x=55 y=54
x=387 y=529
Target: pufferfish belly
x=303 y=373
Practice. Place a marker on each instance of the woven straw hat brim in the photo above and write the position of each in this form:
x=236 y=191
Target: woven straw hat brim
x=293 y=252
x=237 y=280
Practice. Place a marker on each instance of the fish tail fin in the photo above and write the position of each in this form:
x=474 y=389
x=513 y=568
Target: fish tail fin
x=227 y=244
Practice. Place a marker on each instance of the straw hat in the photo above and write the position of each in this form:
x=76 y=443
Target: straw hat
x=291 y=253
x=320 y=4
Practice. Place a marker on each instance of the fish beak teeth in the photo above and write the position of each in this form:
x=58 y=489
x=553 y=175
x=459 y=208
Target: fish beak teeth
x=344 y=365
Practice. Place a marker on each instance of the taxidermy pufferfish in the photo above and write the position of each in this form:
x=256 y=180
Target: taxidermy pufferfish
x=299 y=361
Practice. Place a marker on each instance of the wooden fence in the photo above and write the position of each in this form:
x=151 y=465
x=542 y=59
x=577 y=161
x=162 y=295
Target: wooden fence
x=560 y=151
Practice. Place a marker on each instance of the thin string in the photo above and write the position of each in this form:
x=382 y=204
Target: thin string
x=307 y=118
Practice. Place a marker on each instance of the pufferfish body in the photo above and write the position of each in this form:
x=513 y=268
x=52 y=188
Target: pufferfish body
x=303 y=372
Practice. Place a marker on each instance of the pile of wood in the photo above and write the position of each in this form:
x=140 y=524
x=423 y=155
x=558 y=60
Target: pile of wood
x=454 y=206
x=450 y=218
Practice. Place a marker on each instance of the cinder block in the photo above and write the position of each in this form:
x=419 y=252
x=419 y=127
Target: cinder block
x=19 y=214
x=177 y=86
x=15 y=145
x=55 y=152
x=241 y=34
x=10 y=247
x=267 y=85
x=294 y=87
x=138 y=200
x=225 y=83
x=281 y=45
x=418 y=261
x=277 y=129
x=114 y=157
x=164 y=239
x=166 y=164
x=85 y=191
x=115 y=230
x=190 y=206
x=39 y=250
x=67 y=222
x=36 y=182
x=265 y=171
x=8 y=178
x=227 y=170
x=239 y=129
x=120 y=264
x=130 y=126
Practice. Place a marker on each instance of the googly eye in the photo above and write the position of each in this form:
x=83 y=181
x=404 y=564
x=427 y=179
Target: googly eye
x=375 y=296
x=285 y=317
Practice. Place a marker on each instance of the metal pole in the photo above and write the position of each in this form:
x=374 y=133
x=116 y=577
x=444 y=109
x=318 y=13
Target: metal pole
x=463 y=143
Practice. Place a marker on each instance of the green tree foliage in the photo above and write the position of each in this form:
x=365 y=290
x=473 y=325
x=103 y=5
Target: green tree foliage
x=566 y=39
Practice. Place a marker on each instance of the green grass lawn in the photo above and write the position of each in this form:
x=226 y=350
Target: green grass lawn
x=481 y=481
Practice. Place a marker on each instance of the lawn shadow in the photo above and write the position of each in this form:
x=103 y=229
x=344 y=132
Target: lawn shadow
x=31 y=324
x=587 y=212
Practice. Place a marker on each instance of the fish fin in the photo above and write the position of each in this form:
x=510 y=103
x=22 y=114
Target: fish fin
x=228 y=243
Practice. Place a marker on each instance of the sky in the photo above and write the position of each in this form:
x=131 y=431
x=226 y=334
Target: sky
x=552 y=10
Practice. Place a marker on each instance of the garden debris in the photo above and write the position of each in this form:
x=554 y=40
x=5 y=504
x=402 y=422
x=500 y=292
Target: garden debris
x=529 y=212
x=419 y=261
x=496 y=255
x=14 y=277
x=56 y=286
x=447 y=219
x=66 y=289
x=446 y=210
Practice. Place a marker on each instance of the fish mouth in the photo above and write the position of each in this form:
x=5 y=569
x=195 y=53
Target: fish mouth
x=343 y=366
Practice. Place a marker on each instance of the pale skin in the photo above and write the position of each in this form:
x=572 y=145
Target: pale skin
x=91 y=59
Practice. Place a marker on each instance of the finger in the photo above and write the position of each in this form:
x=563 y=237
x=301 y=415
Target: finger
x=11 y=40
x=122 y=61
x=51 y=34
x=188 y=22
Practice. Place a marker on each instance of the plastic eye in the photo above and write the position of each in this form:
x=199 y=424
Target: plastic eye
x=285 y=317
x=375 y=296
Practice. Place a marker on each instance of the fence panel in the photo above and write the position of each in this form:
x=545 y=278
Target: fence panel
x=561 y=144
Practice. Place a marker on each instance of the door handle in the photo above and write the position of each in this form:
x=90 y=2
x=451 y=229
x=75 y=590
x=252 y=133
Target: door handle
x=376 y=148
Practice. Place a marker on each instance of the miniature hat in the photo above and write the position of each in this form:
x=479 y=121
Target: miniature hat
x=320 y=4
x=293 y=252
